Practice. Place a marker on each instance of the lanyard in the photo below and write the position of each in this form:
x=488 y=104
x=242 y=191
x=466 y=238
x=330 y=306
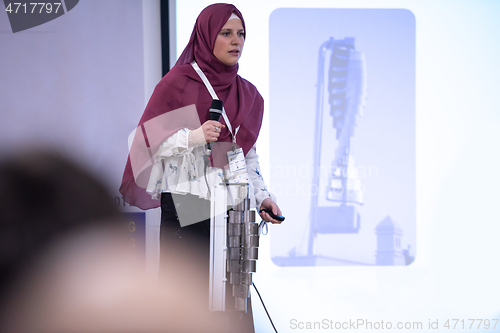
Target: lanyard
x=214 y=96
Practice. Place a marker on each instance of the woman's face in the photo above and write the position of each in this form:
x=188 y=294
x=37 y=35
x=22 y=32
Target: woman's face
x=229 y=43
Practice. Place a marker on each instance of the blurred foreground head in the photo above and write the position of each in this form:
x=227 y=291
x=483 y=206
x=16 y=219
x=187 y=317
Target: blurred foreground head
x=66 y=264
x=45 y=197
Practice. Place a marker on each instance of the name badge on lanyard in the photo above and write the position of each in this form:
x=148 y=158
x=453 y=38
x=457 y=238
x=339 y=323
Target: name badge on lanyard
x=237 y=172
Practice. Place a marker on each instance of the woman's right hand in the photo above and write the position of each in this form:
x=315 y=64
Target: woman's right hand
x=208 y=132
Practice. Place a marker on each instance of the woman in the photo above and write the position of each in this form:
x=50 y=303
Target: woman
x=166 y=160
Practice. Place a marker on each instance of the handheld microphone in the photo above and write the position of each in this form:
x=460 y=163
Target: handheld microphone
x=215 y=112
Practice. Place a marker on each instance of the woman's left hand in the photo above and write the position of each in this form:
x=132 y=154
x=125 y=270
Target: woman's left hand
x=272 y=206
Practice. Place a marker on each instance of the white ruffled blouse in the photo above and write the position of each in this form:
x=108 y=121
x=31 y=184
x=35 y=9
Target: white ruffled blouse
x=179 y=169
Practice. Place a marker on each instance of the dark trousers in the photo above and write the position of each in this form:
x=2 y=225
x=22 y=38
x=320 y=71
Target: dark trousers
x=184 y=262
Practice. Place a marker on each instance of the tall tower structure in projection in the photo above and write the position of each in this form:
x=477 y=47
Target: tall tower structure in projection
x=341 y=89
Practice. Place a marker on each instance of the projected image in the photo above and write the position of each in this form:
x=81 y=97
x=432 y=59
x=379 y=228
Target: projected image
x=342 y=119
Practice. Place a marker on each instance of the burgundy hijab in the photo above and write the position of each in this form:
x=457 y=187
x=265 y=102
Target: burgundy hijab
x=178 y=91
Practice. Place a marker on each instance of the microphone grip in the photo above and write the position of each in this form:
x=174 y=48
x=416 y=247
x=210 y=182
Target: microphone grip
x=215 y=113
